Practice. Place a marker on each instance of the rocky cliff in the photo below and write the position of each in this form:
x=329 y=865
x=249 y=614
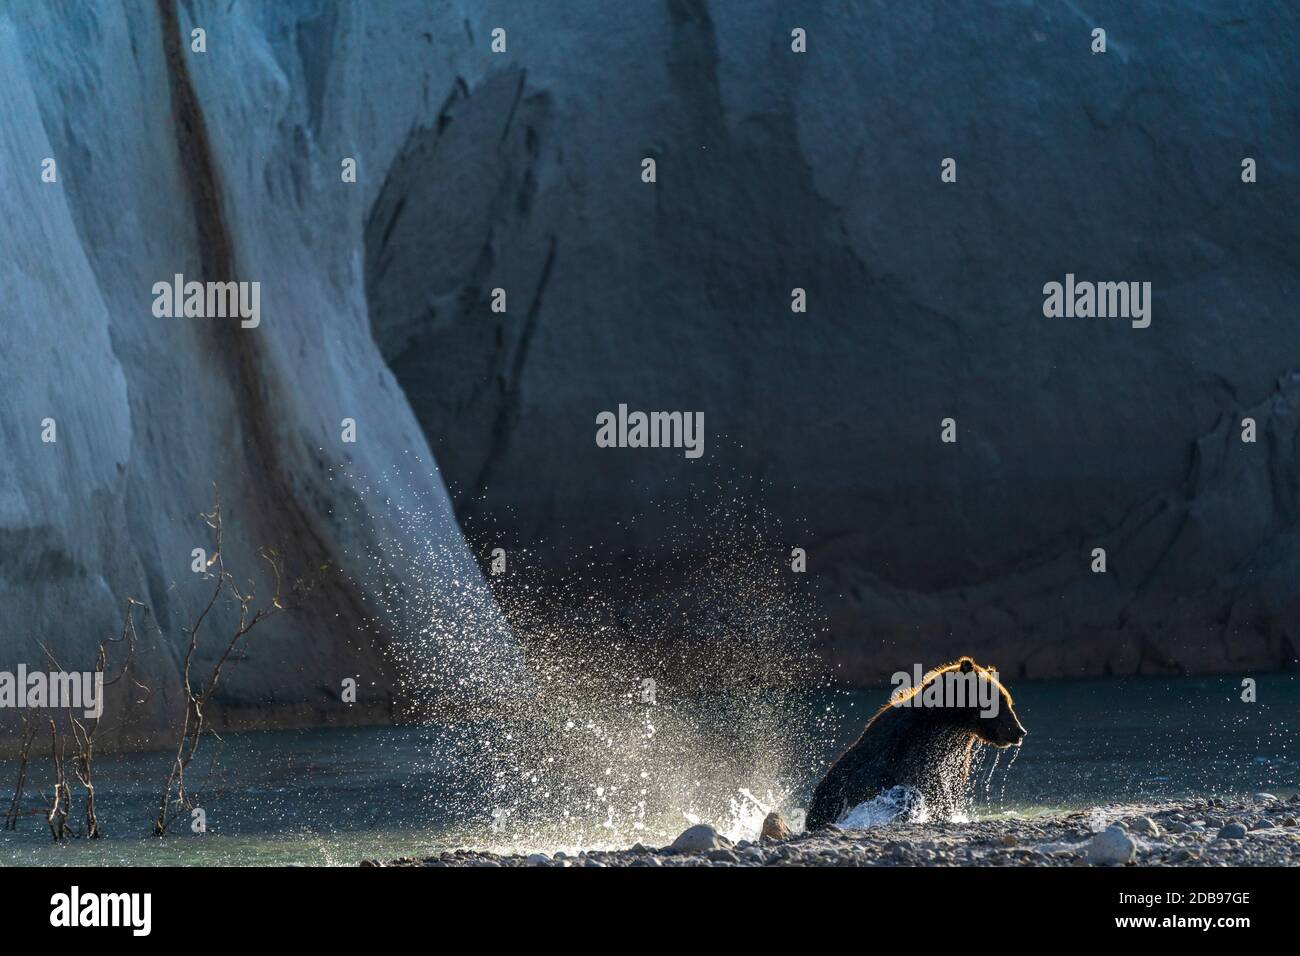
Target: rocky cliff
x=822 y=171
x=521 y=170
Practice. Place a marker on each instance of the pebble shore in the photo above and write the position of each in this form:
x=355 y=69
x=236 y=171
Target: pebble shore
x=1262 y=830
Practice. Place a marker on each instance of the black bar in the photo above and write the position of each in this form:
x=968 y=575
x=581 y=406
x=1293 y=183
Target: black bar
x=366 y=905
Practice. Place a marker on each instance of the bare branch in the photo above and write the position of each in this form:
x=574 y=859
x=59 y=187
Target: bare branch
x=24 y=755
x=175 y=798
x=57 y=817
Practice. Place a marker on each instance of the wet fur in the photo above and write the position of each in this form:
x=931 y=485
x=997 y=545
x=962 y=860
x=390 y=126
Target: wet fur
x=928 y=748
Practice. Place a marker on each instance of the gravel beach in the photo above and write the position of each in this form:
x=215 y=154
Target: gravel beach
x=1262 y=830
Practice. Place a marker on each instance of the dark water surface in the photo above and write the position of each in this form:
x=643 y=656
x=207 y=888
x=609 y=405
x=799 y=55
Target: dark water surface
x=334 y=797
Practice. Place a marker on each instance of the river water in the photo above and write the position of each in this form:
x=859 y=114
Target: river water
x=334 y=797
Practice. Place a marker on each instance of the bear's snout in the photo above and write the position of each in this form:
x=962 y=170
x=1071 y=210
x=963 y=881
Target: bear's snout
x=1005 y=731
x=1016 y=734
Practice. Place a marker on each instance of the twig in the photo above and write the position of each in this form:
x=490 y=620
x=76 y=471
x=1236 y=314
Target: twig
x=57 y=817
x=174 y=797
x=24 y=754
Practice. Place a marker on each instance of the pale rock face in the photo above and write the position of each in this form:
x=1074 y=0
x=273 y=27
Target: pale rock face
x=153 y=412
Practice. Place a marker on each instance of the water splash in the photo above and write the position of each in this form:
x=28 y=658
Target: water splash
x=981 y=782
x=1006 y=775
x=654 y=695
x=988 y=780
x=901 y=804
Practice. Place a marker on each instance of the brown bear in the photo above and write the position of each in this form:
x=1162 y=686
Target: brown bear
x=922 y=738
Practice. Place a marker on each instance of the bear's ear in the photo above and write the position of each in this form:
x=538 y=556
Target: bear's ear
x=966 y=665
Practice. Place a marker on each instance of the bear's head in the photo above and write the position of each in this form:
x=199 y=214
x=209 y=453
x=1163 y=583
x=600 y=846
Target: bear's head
x=988 y=711
x=965 y=696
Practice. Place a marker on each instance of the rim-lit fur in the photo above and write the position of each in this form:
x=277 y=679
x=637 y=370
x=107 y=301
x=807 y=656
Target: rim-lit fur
x=925 y=747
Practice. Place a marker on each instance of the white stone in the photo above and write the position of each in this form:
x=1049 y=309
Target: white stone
x=1111 y=847
x=699 y=838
